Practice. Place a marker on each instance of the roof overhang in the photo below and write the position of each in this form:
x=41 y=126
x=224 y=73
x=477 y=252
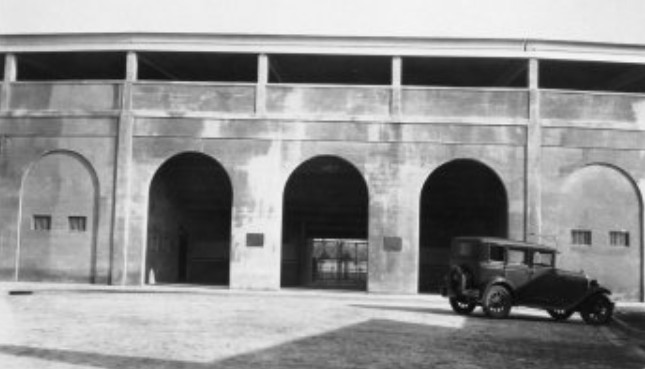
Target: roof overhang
x=272 y=44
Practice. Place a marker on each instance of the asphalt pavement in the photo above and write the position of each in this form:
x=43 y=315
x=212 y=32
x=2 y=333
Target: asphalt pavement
x=89 y=326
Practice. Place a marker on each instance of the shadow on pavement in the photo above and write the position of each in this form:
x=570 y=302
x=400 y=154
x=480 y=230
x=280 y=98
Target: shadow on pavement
x=377 y=343
x=477 y=314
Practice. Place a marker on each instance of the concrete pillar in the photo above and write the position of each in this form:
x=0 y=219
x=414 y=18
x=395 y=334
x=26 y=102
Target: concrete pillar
x=261 y=88
x=533 y=208
x=396 y=108
x=121 y=272
x=393 y=222
x=256 y=226
x=10 y=75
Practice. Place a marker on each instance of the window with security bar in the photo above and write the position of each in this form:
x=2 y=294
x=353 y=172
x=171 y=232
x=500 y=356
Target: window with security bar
x=619 y=238
x=42 y=222
x=581 y=237
x=77 y=223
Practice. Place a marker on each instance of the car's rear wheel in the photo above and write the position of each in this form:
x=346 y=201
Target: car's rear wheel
x=560 y=314
x=462 y=306
x=497 y=302
x=597 y=311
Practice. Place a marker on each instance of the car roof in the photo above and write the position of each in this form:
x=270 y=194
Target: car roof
x=507 y=242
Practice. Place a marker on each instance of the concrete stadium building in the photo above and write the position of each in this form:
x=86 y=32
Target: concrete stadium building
x=337 y=144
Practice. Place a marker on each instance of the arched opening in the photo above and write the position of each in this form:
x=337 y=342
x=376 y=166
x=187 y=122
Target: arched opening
x=460 y=198
x=58 y=220
x=600 y=229
x=189 y=222
x=325 y=226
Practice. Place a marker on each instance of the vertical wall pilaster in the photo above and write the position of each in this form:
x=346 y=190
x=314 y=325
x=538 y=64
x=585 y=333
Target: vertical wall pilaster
x=533 y=209
x=122 y=180
x=10 y=75
x=261 y=89
x=397 y=76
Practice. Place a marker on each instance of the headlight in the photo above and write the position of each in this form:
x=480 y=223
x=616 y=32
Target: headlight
x=593 y=283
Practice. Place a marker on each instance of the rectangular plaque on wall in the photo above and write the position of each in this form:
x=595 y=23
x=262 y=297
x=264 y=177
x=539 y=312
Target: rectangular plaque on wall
x=394 y=244
x=255 y=239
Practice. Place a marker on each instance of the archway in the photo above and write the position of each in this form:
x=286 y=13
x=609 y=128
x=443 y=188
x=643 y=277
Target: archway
x=325 y=226
x=58 y=220
x=460 y=198
x=600 y=229
x=189 y=222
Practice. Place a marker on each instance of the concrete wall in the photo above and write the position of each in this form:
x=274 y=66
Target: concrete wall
x=395 y=145
x=24 y=142
x=67 y=96
x=394 y=158
x=58 y=186
x=592 y=175
x=178 y=97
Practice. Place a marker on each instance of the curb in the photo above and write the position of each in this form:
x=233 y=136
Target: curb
x=53 y=289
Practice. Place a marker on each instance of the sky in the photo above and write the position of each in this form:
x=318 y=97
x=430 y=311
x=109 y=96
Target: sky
x=603 y=21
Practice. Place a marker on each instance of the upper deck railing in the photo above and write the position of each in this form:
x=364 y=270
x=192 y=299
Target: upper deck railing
x=309 y=102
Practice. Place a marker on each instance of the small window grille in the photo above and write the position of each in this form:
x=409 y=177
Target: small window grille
x=42 y=222
x=619 y=238
x=581 y=237
x=77 y=223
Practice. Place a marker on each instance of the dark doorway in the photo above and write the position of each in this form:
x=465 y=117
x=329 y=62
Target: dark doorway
x=460 y=198
x=189 y=222
x=325 y=226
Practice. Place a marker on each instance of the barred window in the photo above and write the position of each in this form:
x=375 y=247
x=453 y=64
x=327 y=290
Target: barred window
x=77 y=223
x=619 y=238
x=42 y=222
x=581 y=237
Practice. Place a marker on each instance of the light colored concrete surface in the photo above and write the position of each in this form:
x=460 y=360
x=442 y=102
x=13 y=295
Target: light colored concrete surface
x=69 y=326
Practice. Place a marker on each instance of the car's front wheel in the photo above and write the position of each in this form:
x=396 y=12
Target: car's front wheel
x=497 y=302
x=597 y=311
x=462 y=306
x=560 y=314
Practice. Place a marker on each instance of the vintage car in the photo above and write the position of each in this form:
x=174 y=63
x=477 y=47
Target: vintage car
x=498 y=274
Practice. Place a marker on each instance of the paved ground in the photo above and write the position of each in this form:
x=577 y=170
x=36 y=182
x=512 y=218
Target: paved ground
x=210 y=328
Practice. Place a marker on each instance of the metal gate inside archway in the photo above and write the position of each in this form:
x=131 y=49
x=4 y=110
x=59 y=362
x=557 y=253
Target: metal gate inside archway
x=325 y=226
x=460 y=198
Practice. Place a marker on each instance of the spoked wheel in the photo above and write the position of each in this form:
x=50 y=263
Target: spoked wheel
x=498 y=302
x=597 y=311
x=462 y=306
x=560 y=314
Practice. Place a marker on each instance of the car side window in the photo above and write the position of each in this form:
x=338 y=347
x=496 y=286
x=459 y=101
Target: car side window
x=516 y=257
x=496 y=253
x=541 y=258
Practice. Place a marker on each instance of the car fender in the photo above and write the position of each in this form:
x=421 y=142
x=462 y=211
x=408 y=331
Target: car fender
x=499 y=281
x=595 y=291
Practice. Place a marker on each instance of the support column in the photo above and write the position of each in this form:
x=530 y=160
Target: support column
x=122 y=181
x=10 y=75
x=10 y=261
x=261 y=89
x=395 y=107
x=533 y=176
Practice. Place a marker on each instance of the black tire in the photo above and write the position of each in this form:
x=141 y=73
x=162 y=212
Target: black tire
x=560 y=314
x=597 y=311
x=462 y=306
x=497 y=302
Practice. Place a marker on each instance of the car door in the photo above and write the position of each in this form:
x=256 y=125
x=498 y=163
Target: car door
x=540 y=290
x=517 y=270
